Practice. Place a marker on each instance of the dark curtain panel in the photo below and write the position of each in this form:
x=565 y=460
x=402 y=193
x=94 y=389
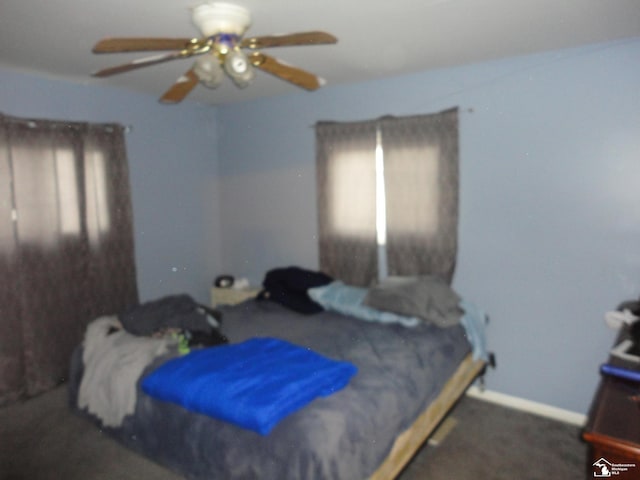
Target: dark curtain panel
x=421 y=190
x=12 y=367
x=420 y=169
x=67 y=244
x=345 y=155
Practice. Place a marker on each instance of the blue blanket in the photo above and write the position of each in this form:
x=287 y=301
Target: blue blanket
x=253 y=384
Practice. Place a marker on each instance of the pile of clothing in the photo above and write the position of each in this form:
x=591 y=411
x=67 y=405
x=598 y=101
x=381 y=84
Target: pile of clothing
x=118 y=348
x=177 y=314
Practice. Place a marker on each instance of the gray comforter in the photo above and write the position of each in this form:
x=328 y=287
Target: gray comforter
x=343 y=436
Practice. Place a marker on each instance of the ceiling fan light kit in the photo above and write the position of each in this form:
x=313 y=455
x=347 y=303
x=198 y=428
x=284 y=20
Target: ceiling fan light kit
x=209 y=71
x=220 y=51
x=238 y=68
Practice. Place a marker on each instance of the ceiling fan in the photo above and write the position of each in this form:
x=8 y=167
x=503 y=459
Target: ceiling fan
x=220 y=51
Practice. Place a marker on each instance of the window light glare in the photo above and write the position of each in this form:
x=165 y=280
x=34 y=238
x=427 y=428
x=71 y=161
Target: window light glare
x=381 y=208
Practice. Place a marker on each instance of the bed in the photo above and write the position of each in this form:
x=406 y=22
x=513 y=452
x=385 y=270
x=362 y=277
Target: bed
x=407 y=380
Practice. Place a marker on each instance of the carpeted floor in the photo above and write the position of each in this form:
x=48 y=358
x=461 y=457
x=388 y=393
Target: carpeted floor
x=493 y=442
x=41 y=440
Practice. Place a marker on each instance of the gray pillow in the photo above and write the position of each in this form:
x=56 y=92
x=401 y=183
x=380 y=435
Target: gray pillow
x=427 y=297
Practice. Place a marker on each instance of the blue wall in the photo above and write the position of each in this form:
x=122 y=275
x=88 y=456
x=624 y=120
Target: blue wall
x=550 y=217
x=550 y=207
x=173 y=170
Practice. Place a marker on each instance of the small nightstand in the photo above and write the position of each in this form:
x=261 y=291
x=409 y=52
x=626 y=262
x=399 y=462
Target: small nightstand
x=231 y=296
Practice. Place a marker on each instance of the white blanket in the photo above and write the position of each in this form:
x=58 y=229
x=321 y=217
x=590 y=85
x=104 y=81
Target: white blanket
x=113 y=363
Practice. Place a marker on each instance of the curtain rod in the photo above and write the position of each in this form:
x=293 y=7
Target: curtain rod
x=461 y=110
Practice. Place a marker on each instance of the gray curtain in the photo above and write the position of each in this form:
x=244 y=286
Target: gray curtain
x=421 y=192
x=66 y=244
x=421 y=186
x=345 y=172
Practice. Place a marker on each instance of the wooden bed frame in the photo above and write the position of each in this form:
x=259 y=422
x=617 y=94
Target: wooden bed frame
x=409 y=442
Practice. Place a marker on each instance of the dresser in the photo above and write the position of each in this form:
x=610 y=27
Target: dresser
x=613 y=426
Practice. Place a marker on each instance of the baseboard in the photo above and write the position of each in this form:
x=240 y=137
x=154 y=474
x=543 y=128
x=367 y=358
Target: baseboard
x=528 y=406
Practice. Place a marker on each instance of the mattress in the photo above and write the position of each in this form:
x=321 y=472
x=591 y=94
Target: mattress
x=342 y=436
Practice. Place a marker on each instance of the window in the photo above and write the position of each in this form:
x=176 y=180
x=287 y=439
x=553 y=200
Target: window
x=388 y=196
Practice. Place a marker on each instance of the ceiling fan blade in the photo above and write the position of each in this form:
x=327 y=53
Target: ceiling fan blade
x=181 y=88
x=141 y=62
x=286 y=72
x=114 y=45
x=303 y=38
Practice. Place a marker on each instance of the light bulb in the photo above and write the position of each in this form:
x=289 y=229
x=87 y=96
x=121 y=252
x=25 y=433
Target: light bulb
x=238 y=68
x=209 y=71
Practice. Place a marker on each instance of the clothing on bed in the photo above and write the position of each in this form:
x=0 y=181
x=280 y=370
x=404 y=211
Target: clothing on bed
x=253 y=384
x=349 y=300
x=172 y=311
x=474 y=322
x=288 y=286
x=113 y=362
x=427 y=297
x=200 y=324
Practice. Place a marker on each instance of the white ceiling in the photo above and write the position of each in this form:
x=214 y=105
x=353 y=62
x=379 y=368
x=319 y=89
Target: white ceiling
x=376 y=38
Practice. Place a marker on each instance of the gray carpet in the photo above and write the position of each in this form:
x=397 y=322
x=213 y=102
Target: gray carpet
x=493 y=442
x=41 y=440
